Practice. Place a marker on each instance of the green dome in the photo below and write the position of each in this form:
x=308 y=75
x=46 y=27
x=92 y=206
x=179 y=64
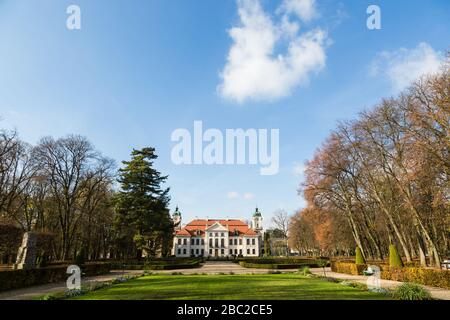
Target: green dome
x=257 y=213
x=177 y=212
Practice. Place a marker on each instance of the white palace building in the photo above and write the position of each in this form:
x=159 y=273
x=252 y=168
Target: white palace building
x=218 y=238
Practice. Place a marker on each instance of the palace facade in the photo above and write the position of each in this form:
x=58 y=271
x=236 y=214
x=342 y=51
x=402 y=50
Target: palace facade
x=218 y=237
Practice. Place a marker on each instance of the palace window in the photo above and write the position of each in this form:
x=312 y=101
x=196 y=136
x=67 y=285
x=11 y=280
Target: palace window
x=235 y=242
x=184 y=251
x=240 y=242
x=231 y=241
x=179 y=241
x=216 y=234
x=210 y=242
x=222 y=251
x=210 y=251
x=185 y=241
x=192 y=252
x=179 y=251
x=192 y=241
x=248 y=242
x=253 y=251
x=240 y=251
x=203 y=242
x=222 y=243
x=216 y=242
x=197 y=241
x=222 y=234
x=253 y=241
x=196 y=251
x=248 y=251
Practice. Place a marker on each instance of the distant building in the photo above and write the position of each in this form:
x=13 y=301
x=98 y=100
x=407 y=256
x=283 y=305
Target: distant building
x=218 y=237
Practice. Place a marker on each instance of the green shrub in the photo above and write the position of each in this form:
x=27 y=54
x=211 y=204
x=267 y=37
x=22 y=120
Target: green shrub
x=359 y=256
x=305 y=270
x=411 y=291
x=394 y=257
x=50 y=296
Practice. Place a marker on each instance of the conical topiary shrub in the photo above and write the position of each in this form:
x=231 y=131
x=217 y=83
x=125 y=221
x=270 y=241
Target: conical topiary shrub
x=394 y=257
x=359 y=257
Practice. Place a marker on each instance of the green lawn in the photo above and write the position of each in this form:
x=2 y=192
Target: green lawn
x=203 y=287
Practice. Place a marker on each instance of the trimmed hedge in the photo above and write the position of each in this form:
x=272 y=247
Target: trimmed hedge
x=15 y=279
x=160 y=264
x=273 y=265
x=279 y=263
x=348 y=267
x=428 y=277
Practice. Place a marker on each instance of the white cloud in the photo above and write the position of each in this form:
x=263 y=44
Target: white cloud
x=304 y=9
x=403 y=66
x=232 y=195
x=248 y=196
x=254 y=70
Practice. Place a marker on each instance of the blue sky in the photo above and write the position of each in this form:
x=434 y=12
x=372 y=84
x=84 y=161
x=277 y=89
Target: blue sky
x=138 y=70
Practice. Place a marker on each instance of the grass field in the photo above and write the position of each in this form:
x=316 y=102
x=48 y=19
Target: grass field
x=217 y=287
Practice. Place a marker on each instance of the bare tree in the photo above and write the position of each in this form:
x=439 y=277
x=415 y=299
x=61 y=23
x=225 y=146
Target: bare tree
x=280 y=220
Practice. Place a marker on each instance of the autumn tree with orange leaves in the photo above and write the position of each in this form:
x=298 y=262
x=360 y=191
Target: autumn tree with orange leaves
x=383 y=179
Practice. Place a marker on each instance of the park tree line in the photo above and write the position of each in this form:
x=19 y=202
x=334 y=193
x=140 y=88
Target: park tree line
x=383 y=179
x=79 y=204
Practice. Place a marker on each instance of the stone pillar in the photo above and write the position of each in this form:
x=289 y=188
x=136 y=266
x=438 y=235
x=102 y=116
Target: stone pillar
x=26 y=257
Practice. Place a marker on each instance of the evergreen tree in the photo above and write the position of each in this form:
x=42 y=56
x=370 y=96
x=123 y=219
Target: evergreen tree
x=394 y=257
x=142 y=205
x=359 y=256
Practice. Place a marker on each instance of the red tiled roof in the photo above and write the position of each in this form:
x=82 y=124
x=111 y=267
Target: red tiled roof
x=210 y=222
x=197 y=227
x=182 y=232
